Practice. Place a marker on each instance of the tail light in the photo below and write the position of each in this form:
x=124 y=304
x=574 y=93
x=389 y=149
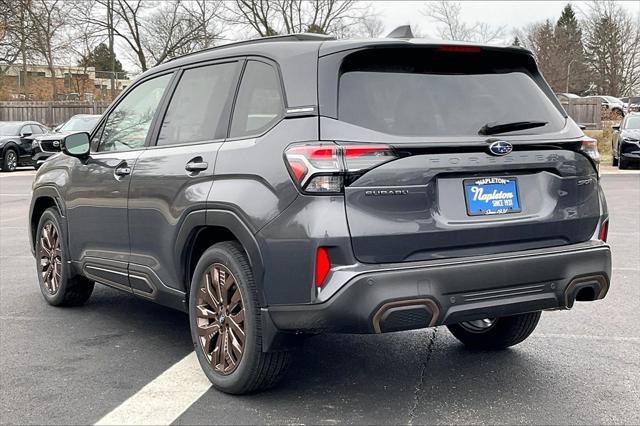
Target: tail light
x=323 y=265
x=604 y=231
x=590 y=147
x=324 y=167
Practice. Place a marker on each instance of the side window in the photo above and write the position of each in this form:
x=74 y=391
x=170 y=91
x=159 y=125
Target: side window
x=259 y=103
x=26 y=130
x=36 y=129
x=127 y=126
x=197 y=104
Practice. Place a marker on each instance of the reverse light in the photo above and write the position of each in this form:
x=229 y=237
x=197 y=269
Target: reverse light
x=604 y=231
x=590 y=147
x=323 y=265
x=323 y=166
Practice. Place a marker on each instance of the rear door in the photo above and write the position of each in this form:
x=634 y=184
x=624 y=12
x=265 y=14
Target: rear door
x=464 y=182
x=173 y=177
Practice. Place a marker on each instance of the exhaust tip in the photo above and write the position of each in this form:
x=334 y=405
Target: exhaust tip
x=586 y=289
x=405 y=315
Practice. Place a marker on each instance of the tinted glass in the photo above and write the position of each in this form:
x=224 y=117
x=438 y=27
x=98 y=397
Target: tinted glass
x=80 y=124
x=36 y=129
x=26 y=130
x=430 y=94
x=260 y=103
x=127 y=126
x=197 y=104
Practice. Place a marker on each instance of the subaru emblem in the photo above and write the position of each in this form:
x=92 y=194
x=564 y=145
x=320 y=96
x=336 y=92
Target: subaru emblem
x=500 y=148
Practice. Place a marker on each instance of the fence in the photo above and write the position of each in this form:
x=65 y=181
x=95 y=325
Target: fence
x=48 y=113
x=587 y=112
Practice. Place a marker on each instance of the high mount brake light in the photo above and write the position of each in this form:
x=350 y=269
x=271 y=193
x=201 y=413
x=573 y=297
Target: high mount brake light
x=459 y=49
x=321 y=167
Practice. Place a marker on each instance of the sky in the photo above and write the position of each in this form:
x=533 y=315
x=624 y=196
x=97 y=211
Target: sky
x=513 y=14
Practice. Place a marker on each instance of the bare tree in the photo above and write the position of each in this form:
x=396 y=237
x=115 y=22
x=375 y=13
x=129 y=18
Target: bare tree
x=612 y=45
x=450 y=26
x=49 y=21
x=272 y=17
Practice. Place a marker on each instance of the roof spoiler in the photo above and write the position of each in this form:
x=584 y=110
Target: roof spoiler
x=403 y=31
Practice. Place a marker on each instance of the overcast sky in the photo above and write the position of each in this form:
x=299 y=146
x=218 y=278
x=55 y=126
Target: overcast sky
x=513 y=14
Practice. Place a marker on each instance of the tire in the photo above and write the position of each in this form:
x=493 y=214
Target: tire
x=623 y=163
x=253 y=370
x=614 y=160
x=10 y=160
x=57 y=283
x=504 y=332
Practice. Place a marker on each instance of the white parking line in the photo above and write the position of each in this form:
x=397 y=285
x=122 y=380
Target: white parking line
x=588 y=337
x=164 y=399
x=15 y=195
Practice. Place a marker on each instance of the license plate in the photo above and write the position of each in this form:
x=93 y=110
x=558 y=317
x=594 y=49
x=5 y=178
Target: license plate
x=493 y=195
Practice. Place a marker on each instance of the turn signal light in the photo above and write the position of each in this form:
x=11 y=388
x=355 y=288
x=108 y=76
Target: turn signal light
x=323 y=265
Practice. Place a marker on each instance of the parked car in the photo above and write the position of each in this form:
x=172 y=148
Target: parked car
x=16 y=138
x=46 y=145
x=610 y=103
x=626 y=141
x=631 y=104
x=566 y=96
x=298 y=185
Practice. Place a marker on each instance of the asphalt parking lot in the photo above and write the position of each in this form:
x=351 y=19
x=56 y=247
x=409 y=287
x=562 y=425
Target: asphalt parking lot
x=79 y=365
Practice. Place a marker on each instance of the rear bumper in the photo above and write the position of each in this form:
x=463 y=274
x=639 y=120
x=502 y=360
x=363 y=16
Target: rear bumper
x=446 y=292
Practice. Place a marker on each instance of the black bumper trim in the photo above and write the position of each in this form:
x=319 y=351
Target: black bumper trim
x=455 y=292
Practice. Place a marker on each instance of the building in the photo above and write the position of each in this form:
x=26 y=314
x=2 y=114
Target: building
x=71 y=83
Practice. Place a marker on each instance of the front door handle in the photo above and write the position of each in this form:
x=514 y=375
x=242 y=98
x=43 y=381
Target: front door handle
x=196 y=165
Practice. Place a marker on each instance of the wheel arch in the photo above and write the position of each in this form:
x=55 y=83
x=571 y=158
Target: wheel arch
x=42 y=199
x=203 y=229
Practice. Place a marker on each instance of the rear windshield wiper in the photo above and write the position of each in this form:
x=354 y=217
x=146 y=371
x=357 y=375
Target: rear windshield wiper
x=494 y=127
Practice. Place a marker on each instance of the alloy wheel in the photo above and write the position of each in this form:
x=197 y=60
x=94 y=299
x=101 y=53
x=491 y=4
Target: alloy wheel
x=50 y=256
x=479 y=326
x=220 y=319
x=12 y=160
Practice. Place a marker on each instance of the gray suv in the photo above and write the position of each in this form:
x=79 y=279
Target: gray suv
x=295 y=185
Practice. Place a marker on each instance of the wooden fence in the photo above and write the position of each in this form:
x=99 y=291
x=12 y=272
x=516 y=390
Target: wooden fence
x=587 y=112
x=48 y=113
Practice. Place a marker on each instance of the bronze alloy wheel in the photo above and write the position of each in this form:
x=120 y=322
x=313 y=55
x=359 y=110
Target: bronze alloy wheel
x=220 y=319
x=50 y=257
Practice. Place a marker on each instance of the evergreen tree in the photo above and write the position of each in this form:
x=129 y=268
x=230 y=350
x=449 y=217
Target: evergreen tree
x=572 y=67
x=102 y=59
x=516 y=42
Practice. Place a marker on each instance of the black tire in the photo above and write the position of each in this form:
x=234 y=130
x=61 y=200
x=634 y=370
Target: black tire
x=10 y=160
x=614 y=160
x=505 y=332
x=72 y=290
x=256 y=370
x=623 y=163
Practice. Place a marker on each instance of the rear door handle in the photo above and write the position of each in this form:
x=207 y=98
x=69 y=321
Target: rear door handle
x=196 y=165
x=122 y=170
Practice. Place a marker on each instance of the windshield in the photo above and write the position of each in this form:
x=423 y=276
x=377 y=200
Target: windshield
x=633 y=123
x=440 y=96
x=80 y=124
x=612 y=99
x=9 y=129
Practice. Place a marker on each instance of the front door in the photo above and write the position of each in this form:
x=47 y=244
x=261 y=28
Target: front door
x=98 y=192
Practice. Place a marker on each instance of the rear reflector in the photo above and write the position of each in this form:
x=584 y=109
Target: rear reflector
x=604 y=231
x=323 y=265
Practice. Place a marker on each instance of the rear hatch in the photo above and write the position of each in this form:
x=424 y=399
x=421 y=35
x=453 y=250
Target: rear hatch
x=485 y=159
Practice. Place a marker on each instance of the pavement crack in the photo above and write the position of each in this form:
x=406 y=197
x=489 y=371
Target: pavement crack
x=423 y=371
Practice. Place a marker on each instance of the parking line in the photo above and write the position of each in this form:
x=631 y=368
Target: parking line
x=588 y=337
x=165 y=398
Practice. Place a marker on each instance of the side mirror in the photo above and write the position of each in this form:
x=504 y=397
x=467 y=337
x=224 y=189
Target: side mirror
x=25 y=134
x=77 y=145
x=616 y=127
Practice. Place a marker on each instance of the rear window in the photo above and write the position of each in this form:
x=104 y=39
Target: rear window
x=423 y=92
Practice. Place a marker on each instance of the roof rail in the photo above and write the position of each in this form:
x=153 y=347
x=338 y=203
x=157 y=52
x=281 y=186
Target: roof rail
x=285 y=37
